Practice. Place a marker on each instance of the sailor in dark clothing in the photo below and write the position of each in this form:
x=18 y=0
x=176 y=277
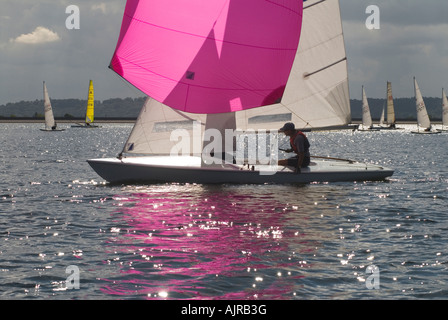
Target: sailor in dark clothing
x=299 y=144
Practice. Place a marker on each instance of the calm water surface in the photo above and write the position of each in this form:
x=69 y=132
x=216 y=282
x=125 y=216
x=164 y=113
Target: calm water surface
x=252 y=242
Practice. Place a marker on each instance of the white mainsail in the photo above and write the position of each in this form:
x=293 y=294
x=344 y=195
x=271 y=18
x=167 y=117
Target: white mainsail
x=161 y=130
x=315 y=96
x=444 y=110
x=49 y=118
x=422 y=115
x=382 y=117
x=366 y=117
x=152 y=132
x=317 y=93
x=390 y=105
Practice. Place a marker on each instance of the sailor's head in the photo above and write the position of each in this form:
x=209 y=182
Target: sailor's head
x=288 y=128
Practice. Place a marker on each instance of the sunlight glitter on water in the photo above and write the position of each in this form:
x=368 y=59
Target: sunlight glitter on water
x=180 y=233
x=217 y=242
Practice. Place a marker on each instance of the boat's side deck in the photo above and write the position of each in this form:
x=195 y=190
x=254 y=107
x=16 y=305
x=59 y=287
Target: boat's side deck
x=194 y=162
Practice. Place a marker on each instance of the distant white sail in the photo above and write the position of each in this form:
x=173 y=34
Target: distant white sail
x=422 y=115
x=390 y=105
x=382 y=117
x=366 y=117
x=444 y=109
x=49 y=118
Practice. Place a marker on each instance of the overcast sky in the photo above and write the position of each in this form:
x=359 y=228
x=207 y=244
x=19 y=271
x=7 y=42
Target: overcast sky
x=36 y=45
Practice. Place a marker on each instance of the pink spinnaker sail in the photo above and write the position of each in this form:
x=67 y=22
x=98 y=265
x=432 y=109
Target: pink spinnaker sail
x=209 y=56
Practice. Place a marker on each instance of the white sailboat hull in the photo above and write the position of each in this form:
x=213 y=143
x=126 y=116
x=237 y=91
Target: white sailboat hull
x=85 y=126
x=425 y=132
x=369 y=129
x=390 y=128
x=188 y=170
x=51 y=130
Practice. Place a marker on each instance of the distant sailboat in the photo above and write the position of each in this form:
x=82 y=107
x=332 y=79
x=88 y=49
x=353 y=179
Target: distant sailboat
x=367 y=123
x=50 y=124
x=390 y=121
x=390 y=111
x=89 y=123
x=444 y=112
x=390 y=106
x=423 y=122
x=382 y=118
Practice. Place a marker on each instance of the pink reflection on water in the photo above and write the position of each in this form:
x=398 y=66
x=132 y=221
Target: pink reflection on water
x=206 y=244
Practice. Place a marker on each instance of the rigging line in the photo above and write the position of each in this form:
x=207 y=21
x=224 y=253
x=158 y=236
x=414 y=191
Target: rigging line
x=184 y=114
x=332 y=158
x=307 y=124
x=132 y=88
x=306 y=75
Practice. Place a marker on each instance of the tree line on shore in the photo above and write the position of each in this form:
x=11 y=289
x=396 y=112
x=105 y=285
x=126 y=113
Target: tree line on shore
x=74 y=108
x=129 y=108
